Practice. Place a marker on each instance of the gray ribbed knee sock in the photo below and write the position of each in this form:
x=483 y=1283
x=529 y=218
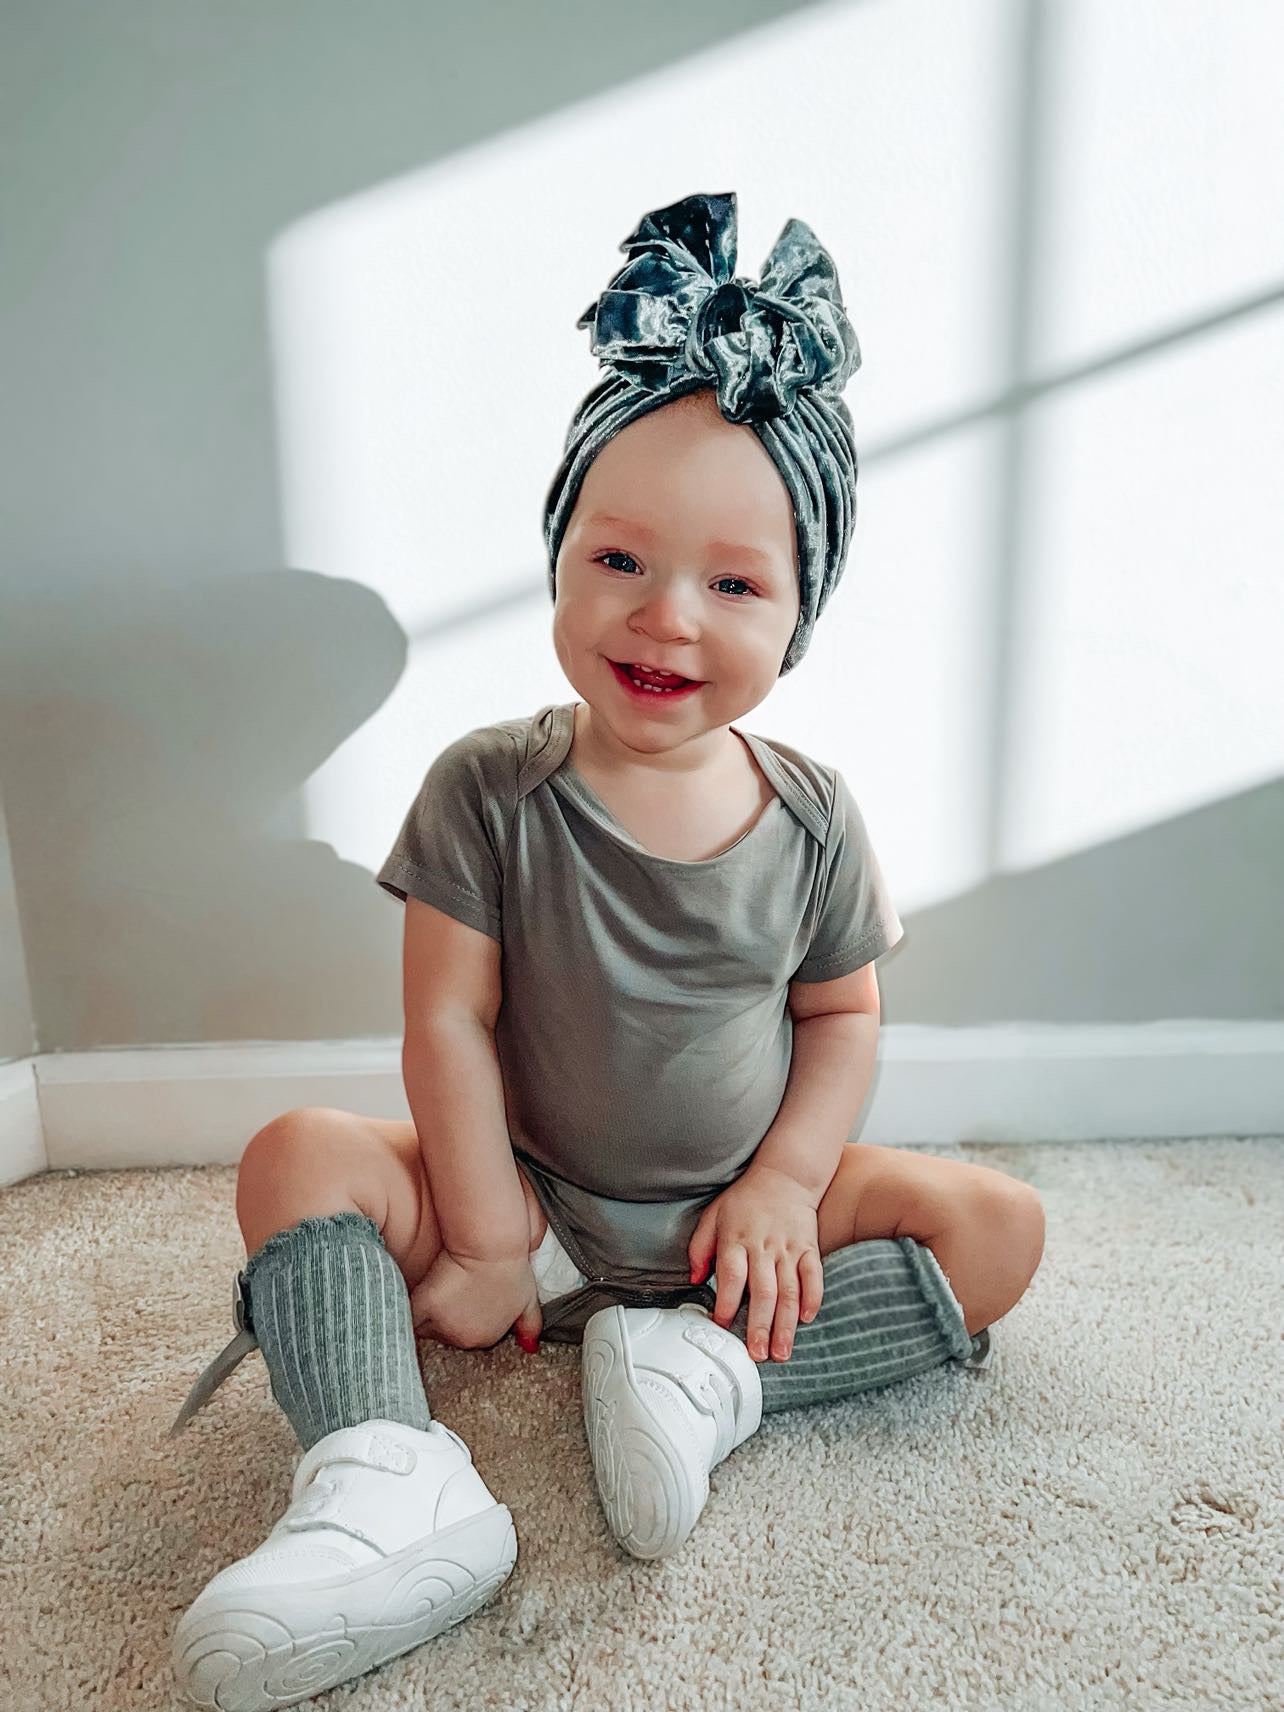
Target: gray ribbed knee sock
x=888 y=1313
x=331 y=1312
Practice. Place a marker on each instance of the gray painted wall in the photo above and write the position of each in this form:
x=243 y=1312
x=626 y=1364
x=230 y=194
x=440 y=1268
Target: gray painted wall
x=168 y=685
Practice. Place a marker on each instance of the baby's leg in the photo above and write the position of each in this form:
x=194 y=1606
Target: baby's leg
x=339 y=1227
x=391 y=1534
x=327 y=1295
x=320 y=1160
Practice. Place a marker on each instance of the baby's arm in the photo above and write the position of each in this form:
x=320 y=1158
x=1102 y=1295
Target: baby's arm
x=450 y=1066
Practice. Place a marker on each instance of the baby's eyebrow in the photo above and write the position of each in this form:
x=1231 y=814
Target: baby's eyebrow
x=736 y=550
x=620 y=523
x=728 y=547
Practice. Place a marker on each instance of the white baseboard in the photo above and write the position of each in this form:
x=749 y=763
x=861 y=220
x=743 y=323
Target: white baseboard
x=199 y=1105
x=22 y=1139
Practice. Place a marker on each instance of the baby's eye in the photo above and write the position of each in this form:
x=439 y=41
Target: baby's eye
x=616 y=553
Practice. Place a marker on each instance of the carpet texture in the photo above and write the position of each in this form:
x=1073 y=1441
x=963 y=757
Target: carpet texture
x=1093 y=1521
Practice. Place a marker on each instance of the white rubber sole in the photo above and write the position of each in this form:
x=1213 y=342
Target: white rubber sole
x=651 y=1494
x=252 y=1649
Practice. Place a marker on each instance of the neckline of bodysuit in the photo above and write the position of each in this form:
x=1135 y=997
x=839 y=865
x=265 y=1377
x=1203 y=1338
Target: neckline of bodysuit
x=579 y=785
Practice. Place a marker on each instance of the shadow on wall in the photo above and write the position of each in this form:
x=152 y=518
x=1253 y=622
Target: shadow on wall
x=151 y=730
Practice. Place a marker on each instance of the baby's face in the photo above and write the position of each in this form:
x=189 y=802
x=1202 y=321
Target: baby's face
x=700 y=575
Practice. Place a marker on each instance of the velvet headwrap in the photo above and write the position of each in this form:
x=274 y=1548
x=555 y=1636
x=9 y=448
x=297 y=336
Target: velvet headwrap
x=776 y=354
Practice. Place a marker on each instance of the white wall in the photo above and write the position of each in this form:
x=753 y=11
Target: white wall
x=289 y=322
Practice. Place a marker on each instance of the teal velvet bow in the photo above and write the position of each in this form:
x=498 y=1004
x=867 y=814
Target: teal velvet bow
x=677 y=309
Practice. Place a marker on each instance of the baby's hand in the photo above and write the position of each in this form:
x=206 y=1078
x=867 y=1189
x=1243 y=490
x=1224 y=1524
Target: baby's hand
x=471 y=1304
x=762 y=1228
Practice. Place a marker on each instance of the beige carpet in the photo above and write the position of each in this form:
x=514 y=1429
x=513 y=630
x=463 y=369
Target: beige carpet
x=1093 y=1521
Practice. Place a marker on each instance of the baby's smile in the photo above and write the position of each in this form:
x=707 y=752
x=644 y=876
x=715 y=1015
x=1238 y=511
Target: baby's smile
x=687 y=687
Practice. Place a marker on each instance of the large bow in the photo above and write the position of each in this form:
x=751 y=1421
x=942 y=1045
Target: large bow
x=675 y=309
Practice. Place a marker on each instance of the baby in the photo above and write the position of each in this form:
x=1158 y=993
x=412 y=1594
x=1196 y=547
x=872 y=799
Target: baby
x=641 y=1018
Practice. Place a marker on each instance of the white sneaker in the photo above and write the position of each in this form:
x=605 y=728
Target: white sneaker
x=391 y=1536
x=668 y=1394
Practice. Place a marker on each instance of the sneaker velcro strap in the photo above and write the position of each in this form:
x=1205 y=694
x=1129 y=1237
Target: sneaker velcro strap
x=365 y=1444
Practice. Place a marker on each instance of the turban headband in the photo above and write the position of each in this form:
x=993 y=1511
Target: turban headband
x=777 y=355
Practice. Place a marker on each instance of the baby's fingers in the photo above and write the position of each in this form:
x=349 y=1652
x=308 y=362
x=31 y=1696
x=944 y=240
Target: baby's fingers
x=811 y=1277
x=763 y=1291
x=732 y=1270
x=787 y=1303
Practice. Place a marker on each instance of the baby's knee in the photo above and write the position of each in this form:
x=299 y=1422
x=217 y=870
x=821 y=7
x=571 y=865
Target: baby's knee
x=305 y=1163
x=320 y=1134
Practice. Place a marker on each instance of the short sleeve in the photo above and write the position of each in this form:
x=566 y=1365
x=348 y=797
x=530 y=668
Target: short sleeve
x=449 y=851
x=856 y=920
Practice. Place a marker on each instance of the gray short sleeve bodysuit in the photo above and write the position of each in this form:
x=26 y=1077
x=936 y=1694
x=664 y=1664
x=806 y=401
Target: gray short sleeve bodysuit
x=644 y=1036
